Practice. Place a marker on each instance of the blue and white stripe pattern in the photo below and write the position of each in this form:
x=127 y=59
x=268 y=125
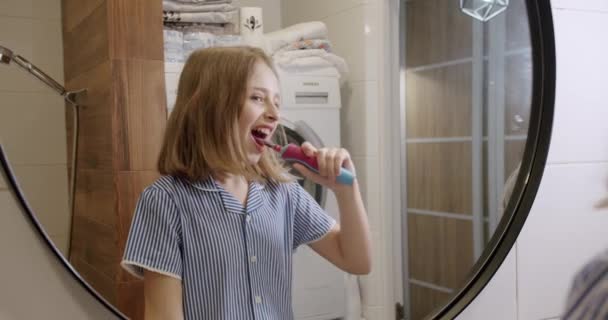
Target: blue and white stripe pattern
x=235 y=262
x=588 y=298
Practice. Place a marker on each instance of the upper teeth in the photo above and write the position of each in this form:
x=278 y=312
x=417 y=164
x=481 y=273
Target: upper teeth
x=265 y=131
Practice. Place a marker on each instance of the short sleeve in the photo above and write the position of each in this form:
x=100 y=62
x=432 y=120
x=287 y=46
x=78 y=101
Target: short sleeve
x=310 y=222
x=154 y=241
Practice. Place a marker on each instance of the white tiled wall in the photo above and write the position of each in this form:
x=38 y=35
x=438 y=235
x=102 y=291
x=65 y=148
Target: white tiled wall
x=356 y=35
x=565 y=227
x=32 y=116
x=34 y=283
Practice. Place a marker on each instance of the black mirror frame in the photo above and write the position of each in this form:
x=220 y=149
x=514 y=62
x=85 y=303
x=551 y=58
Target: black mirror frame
x=540 y=22
x=534 y=159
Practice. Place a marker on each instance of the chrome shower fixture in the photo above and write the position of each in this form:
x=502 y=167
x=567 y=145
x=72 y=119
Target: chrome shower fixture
x=74 y=97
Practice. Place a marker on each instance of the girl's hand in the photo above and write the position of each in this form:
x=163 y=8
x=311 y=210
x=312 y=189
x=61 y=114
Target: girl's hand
x=330 y=161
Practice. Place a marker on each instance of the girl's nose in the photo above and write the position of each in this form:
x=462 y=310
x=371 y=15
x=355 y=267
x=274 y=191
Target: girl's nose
x=272 y=113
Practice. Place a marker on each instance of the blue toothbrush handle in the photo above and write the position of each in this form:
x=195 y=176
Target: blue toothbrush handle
x=345 y=177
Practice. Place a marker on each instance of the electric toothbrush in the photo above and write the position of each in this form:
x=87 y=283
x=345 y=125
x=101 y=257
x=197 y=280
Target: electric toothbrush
x=293 y=153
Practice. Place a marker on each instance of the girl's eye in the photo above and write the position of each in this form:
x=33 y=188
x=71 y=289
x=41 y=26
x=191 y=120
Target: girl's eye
x=257 y=99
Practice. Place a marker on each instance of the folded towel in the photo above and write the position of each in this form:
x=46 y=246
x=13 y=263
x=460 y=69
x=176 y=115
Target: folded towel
x=173 y=45
x=309 y=59
x=169 y=5
x=298 y=32
x=202 y=17
x=308 y=44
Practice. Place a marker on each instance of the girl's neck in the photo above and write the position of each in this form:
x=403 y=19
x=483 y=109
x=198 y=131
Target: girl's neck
x=235 y=184
x=231 y=181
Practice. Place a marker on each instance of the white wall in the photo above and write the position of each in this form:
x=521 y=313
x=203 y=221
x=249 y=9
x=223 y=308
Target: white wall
x=34 y=283
x=565 y=227
x=32 y=116
x=357 y=32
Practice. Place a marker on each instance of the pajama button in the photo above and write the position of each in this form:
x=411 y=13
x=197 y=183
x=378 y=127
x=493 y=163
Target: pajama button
x=254 y=259
x=258 y=299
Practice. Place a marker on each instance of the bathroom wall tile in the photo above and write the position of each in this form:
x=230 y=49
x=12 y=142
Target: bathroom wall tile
x=296 y=11
x=139 y=113
x=271 y=12
x=75 y=11
x=45 y=9
x=425 y=300
x=95 y=118
x=590 y=5
x=370 y=313
x=498 y=300
x=135 y=29
x=359 y=118
x=87 y=46
x=563 y=230
x=99 y=281
x=355 y=37
x=130 y=299
x=38 y=41
x=368 y=171
x=95 y=244
x=32 y=128
x=440 y=249
x=45 y=188
x=439 y=177
x=373 y=284
x=579 y=126
x=438 y=102
x=96 y=197
x=447 y=36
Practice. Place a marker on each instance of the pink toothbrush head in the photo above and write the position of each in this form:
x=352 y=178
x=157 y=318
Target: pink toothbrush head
x=269 y=144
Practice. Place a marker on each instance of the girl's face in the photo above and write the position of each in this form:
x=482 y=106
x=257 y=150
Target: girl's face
x=260 y=115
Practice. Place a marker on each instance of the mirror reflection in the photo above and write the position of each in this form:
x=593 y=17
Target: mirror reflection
x=467 y=107
x=468 y=97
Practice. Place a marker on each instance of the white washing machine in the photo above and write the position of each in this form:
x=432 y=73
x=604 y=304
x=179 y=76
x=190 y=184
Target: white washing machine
x=310 y=111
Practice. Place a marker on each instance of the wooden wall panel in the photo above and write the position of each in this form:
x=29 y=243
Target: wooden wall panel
x=136 y=30
x=86 y=44
x=439 y=177
x=95 y=118
x=438 y=102
x=425 y=300
x=140 y=113
x=440 y=249
x=114 y=48
x=73 y=12
x=436 y=32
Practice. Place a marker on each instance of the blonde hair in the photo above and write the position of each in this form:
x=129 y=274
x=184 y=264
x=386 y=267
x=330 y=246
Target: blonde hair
x=202 y=137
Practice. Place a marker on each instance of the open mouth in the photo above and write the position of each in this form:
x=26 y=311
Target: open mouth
x=259 y=135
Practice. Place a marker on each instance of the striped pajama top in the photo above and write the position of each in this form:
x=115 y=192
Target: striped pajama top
x=234 y=262
x=588 y=296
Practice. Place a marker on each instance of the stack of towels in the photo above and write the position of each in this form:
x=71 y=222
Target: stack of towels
x=195 y=24
x=303 y=47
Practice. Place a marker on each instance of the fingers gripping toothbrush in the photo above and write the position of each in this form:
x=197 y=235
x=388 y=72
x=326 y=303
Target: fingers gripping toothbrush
x=293 y=153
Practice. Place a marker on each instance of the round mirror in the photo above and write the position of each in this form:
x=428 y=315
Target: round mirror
x=475 y=81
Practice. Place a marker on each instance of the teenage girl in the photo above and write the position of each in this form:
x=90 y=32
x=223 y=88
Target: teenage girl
x=213 y=238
